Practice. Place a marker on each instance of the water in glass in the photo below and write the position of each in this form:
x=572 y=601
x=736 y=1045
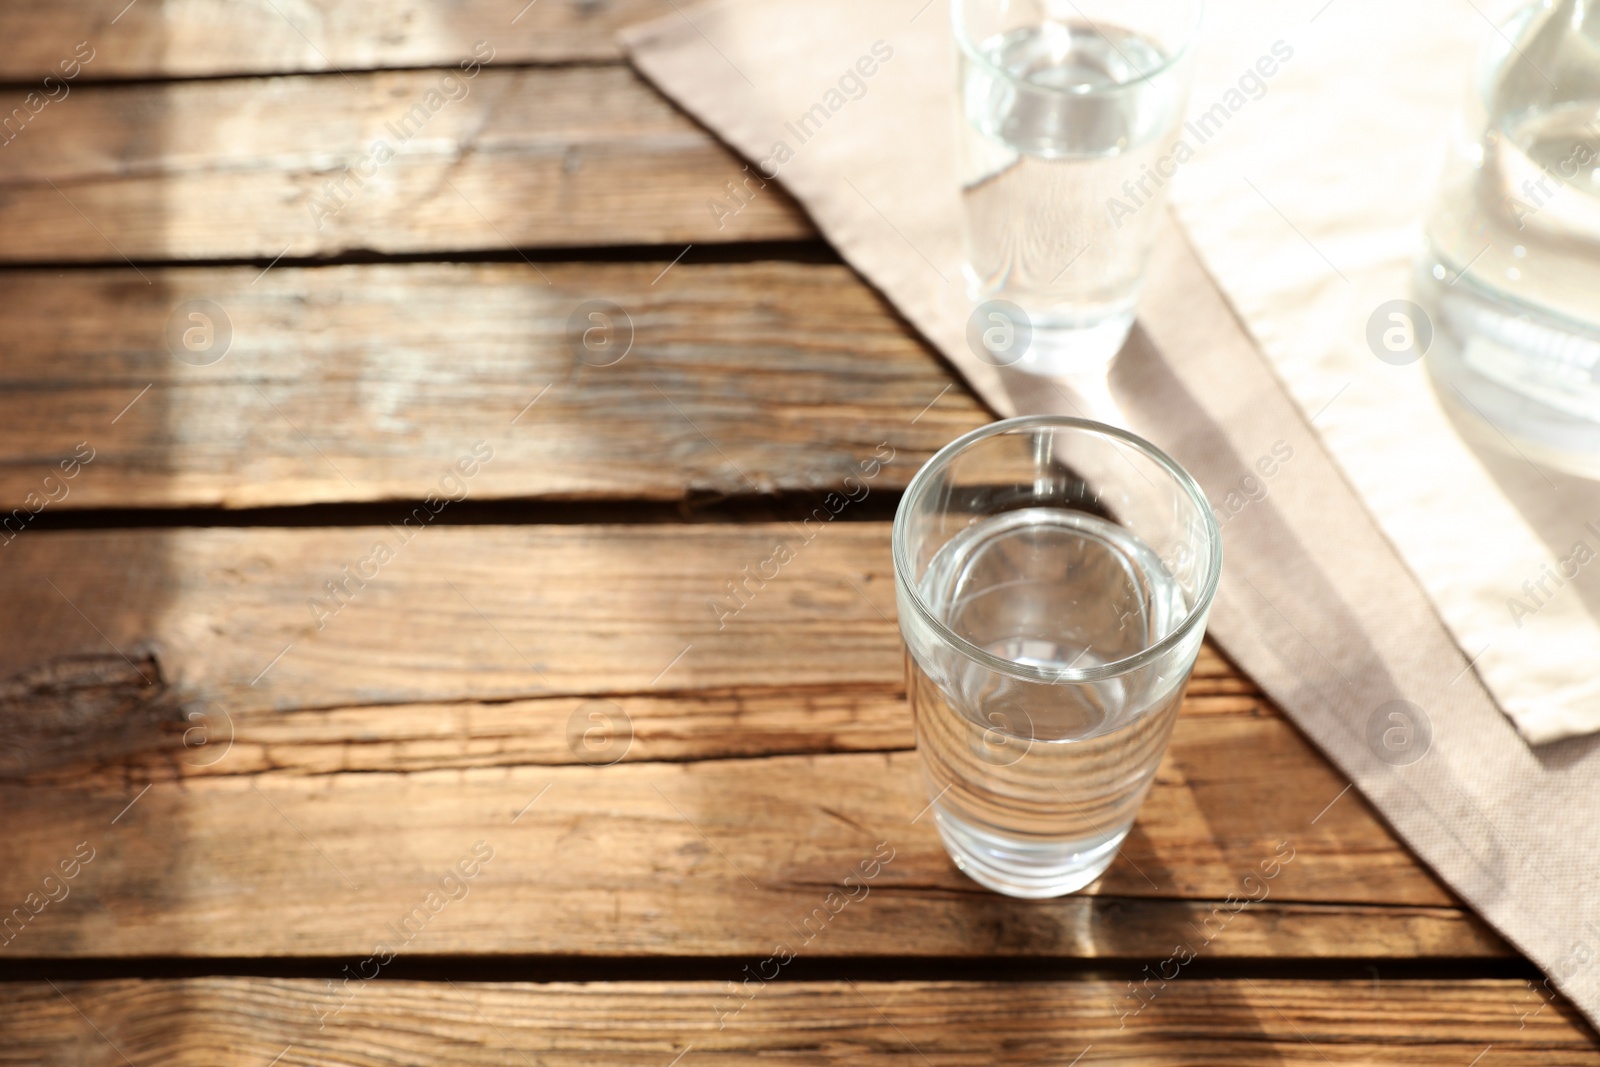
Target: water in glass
x=1035 y=781
x=1044 y=150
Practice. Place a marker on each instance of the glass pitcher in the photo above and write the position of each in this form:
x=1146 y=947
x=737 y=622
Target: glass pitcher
x=1511 y=279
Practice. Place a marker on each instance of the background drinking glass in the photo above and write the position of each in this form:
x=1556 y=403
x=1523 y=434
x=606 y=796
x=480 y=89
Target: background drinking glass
x=1067 y=105
x=1053 y=577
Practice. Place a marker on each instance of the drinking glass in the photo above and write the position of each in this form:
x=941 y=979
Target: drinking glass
x=1053 y=576
x=1070 y=110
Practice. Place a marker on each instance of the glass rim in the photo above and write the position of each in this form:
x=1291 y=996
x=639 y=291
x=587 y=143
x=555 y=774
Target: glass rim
x=964 y=42
x=941 y=459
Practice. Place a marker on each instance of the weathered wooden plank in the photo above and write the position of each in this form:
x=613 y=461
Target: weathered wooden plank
x=94 y=719
x=368 y=382
x=246 y=617
x=244 y=1022
x=1208 y=811
x=555 y=614
x=214 y=37
x=709 y=858
x=386 y=162
x=570 y=614
x=580 y=610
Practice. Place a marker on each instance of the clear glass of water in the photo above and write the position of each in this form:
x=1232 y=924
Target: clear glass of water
x=1070 y=112
x=1053 y=577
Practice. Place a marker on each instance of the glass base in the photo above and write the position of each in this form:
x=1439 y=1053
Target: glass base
x=1514 y=377
x=1073 y=349
x=1025 y=868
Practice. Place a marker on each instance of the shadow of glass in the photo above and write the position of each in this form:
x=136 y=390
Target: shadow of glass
x=1159 y=406
x=1557 y=507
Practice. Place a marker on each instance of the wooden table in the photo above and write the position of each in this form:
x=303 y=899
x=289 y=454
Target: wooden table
x=532 y=782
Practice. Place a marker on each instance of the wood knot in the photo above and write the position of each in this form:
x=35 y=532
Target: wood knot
x=82 y=713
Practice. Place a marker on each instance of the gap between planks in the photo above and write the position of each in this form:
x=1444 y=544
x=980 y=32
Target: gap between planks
x=554 y=157
x=225 y=38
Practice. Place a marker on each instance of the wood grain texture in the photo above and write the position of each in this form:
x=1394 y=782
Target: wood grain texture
x=292 y=166
x=1212 y=818
x=477 y=613
x=245 y=617
x=216 y=37
x=714 y=858
x=369 y=382
x=719 y=858
x=241 y=1022
x=256 y=851
x=93 y=719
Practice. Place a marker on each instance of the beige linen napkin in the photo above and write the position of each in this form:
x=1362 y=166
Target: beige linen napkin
x=1315 y=604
